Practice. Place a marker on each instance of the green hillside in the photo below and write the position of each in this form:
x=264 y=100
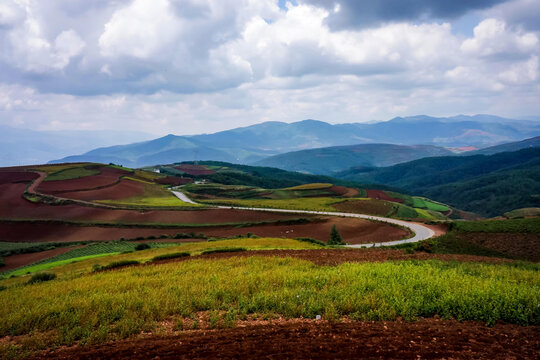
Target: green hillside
x=333 y=159
x=489 y=185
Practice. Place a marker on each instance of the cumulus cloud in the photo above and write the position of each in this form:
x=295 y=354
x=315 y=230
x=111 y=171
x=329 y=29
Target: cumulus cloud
x=522 y=13
x=221 y=63
x=346 y=14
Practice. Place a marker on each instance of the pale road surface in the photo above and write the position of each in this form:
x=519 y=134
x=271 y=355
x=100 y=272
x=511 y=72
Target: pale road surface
x=421 y=232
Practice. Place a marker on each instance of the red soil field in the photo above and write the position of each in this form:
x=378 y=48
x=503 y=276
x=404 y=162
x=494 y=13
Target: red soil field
x=8 y=177
x=15 y=261
x=381 y=195
x=14 y=206
x=310 y=339
x=108 y=176
x=174 y=181
x=124 y=189
x=344 y=191
x=195 y=170
x=355 y=231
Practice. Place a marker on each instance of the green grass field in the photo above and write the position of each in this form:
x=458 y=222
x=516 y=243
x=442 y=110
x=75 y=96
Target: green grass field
x=71 y=173
x=96 y=307
x=315 y=204
x=314 y=186
x=531 y=225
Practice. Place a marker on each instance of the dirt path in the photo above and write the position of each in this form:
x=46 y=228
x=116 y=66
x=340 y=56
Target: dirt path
x=309 y=339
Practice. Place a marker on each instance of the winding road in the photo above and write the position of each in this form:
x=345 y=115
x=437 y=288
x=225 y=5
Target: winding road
x=421 y=232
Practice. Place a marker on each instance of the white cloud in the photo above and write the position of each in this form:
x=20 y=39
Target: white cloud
x=142 y=29
x=492 y=37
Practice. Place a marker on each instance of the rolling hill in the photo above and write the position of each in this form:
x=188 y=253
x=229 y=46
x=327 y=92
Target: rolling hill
x=487 y=184
x=338 y=158
x=252 y=143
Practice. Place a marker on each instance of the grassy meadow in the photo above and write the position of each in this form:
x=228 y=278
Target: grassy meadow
x=95 y=307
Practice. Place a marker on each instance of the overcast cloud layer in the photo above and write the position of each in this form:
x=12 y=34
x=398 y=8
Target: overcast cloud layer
x=192 y=66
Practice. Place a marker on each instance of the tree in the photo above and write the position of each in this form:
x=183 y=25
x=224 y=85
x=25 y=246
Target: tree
x=335 y=238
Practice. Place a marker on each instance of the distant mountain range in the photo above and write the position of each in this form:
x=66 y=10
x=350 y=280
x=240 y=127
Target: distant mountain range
x=23 y=147
x=486 y=184
x=253 y=143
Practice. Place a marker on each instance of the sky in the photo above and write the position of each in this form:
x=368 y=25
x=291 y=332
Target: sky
x=200 y=66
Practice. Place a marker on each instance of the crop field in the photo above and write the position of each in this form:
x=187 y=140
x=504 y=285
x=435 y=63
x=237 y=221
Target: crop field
x=96 y=307
x=72 y=173
x=314 y=186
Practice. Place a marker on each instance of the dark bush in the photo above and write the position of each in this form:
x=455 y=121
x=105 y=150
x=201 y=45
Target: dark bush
x=171 y=256
x=117 y=264
x=142 y=246
x=41 y=277
x=310 y=240
x=223 y=250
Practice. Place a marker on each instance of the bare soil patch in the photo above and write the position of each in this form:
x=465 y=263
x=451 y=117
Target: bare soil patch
x=381 y=195
x=15 y=261
x=122 y=190
x=173 y=181
x=344 y=191
x=352 y=230
x=195 y=169
x=523 y=246
x=309 y=339
x=368 y=206
x=108 y=176
x=8 y=177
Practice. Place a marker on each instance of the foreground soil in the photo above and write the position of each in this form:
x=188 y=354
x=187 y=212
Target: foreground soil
x=309 y=339
x=354 y=231
x=522 y=246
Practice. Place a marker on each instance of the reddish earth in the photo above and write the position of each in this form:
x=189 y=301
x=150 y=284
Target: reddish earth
x=344 y=191
x=122 y=190
x=309 y=339
x=381 y=195
x=332 y=257
x=14 y=206
x=174 y=181
x=369 y=206
x=195 y=170
x=522 y=246
x=108 y=176
x=7 y=177
x=15 y=261
x=353 y=231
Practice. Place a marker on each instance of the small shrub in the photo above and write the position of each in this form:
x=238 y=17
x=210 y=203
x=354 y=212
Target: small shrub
x=2 y=262
x=171 y=256
x=223 y=250
x=310 y=240
x=3 y=287
x=163 y=236
x=335 y=237
x=408 y=250
x=142 y=246
x=119 y=264
x=41 y=277
x=97 y=267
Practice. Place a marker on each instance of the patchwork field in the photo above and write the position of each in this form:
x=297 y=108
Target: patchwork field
x=103 y=261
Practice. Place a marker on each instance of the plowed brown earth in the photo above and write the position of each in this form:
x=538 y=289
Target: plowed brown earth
x=352 y=230
x=174 y=181
x=15 y=261
x=195 y=170
x=122 y=190
x=108 y=176
x=368 y=206
x=344 y=191
x=308 y=339
x=14 y=206
x=7 y=177
x=332 y=257
x=523 y=246
x=381 y=195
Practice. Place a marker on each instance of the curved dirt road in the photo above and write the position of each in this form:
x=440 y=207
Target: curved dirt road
x=421 y=232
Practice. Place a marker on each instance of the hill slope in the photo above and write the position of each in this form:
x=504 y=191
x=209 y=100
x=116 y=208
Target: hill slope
x=333 y=159
x=513 y=146
x=489 y=185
